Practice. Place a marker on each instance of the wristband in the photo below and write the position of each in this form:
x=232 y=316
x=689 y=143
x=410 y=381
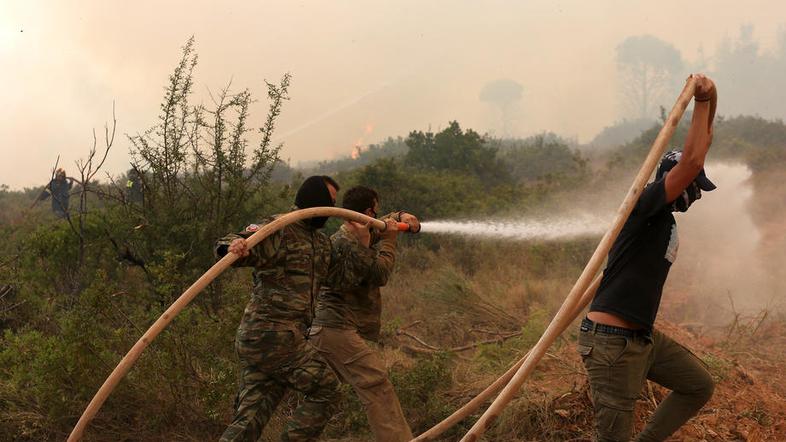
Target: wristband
x=702 y=100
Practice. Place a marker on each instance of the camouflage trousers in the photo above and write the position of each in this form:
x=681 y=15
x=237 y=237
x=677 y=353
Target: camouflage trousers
x=360 y=366
x=619 y=366
x=273 y=361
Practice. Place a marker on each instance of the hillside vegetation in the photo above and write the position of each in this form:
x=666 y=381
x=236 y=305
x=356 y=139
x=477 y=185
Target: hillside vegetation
x=76 y=293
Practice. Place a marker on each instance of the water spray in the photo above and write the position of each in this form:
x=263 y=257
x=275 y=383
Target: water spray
x=564 y=316
x=567 y=312
x=565 y=227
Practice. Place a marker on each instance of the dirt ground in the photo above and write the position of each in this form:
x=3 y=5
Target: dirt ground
x=747 y=358
x=749 y=403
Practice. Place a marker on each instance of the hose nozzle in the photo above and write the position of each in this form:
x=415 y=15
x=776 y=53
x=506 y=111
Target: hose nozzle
x=401 y=227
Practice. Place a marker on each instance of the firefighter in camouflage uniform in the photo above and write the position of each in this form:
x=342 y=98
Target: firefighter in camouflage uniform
x=349 y=312
x=289 y=267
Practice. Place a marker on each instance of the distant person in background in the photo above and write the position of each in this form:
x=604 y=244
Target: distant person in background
x=134 y=192
x=349 y=312
x=60 y=191
x=618 y=343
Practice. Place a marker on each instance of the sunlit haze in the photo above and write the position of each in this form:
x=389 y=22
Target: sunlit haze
x=362 y=71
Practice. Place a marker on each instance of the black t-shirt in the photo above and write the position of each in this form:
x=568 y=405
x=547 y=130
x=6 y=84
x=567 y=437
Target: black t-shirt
x=639 y=260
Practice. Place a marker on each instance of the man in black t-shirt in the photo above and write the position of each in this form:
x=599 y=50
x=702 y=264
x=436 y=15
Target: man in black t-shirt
x=618 y=343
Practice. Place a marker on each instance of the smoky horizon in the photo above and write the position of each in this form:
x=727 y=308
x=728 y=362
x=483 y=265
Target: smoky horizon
x=362 y=73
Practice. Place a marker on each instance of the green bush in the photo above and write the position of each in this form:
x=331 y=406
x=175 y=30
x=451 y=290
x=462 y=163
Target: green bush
x=498 y=357
x=422 y=390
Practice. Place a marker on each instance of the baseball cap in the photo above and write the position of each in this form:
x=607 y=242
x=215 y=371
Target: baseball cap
x=670 y=159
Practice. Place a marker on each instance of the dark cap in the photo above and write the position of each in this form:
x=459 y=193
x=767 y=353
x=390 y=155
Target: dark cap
x=670 y=159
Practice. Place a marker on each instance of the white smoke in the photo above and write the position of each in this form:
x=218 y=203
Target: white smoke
x=718 y=257
x=719 y=244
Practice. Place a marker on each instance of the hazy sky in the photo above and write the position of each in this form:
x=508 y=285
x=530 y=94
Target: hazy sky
x=362 y=70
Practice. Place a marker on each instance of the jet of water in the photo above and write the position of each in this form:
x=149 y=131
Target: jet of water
x=563 y=227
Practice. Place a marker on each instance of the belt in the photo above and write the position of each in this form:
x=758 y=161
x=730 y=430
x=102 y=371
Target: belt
x=590 y=326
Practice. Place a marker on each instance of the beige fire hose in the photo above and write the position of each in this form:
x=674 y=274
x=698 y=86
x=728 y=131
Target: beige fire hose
x=131 y=357
x=494 y=388
x=568 y=310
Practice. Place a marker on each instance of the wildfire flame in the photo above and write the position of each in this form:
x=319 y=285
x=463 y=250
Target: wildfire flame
x=357 y=149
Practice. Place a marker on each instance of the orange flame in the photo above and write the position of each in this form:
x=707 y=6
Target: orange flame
x=358 y=147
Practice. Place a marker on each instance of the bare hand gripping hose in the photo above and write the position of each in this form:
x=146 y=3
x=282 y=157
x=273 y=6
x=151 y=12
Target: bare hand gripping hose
x=567 y=312
x=131 y=357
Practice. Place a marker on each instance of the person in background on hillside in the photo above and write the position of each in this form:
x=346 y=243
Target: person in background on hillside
x=618 y=343
x=289 y=267
x=349 y=312
x=134 y=192
x=60 y=191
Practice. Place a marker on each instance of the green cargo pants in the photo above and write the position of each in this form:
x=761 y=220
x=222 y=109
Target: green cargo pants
x=357 y=364
x=618 y=366
x=273 y=361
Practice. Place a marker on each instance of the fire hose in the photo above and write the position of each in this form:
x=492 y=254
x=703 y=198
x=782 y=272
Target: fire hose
x=224 y=263
x=580 y=295
x=495 y=387
x=569 y=309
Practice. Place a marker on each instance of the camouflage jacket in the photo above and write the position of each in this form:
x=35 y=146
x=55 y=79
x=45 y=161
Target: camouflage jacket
x=289 y=267
x=351 y=297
